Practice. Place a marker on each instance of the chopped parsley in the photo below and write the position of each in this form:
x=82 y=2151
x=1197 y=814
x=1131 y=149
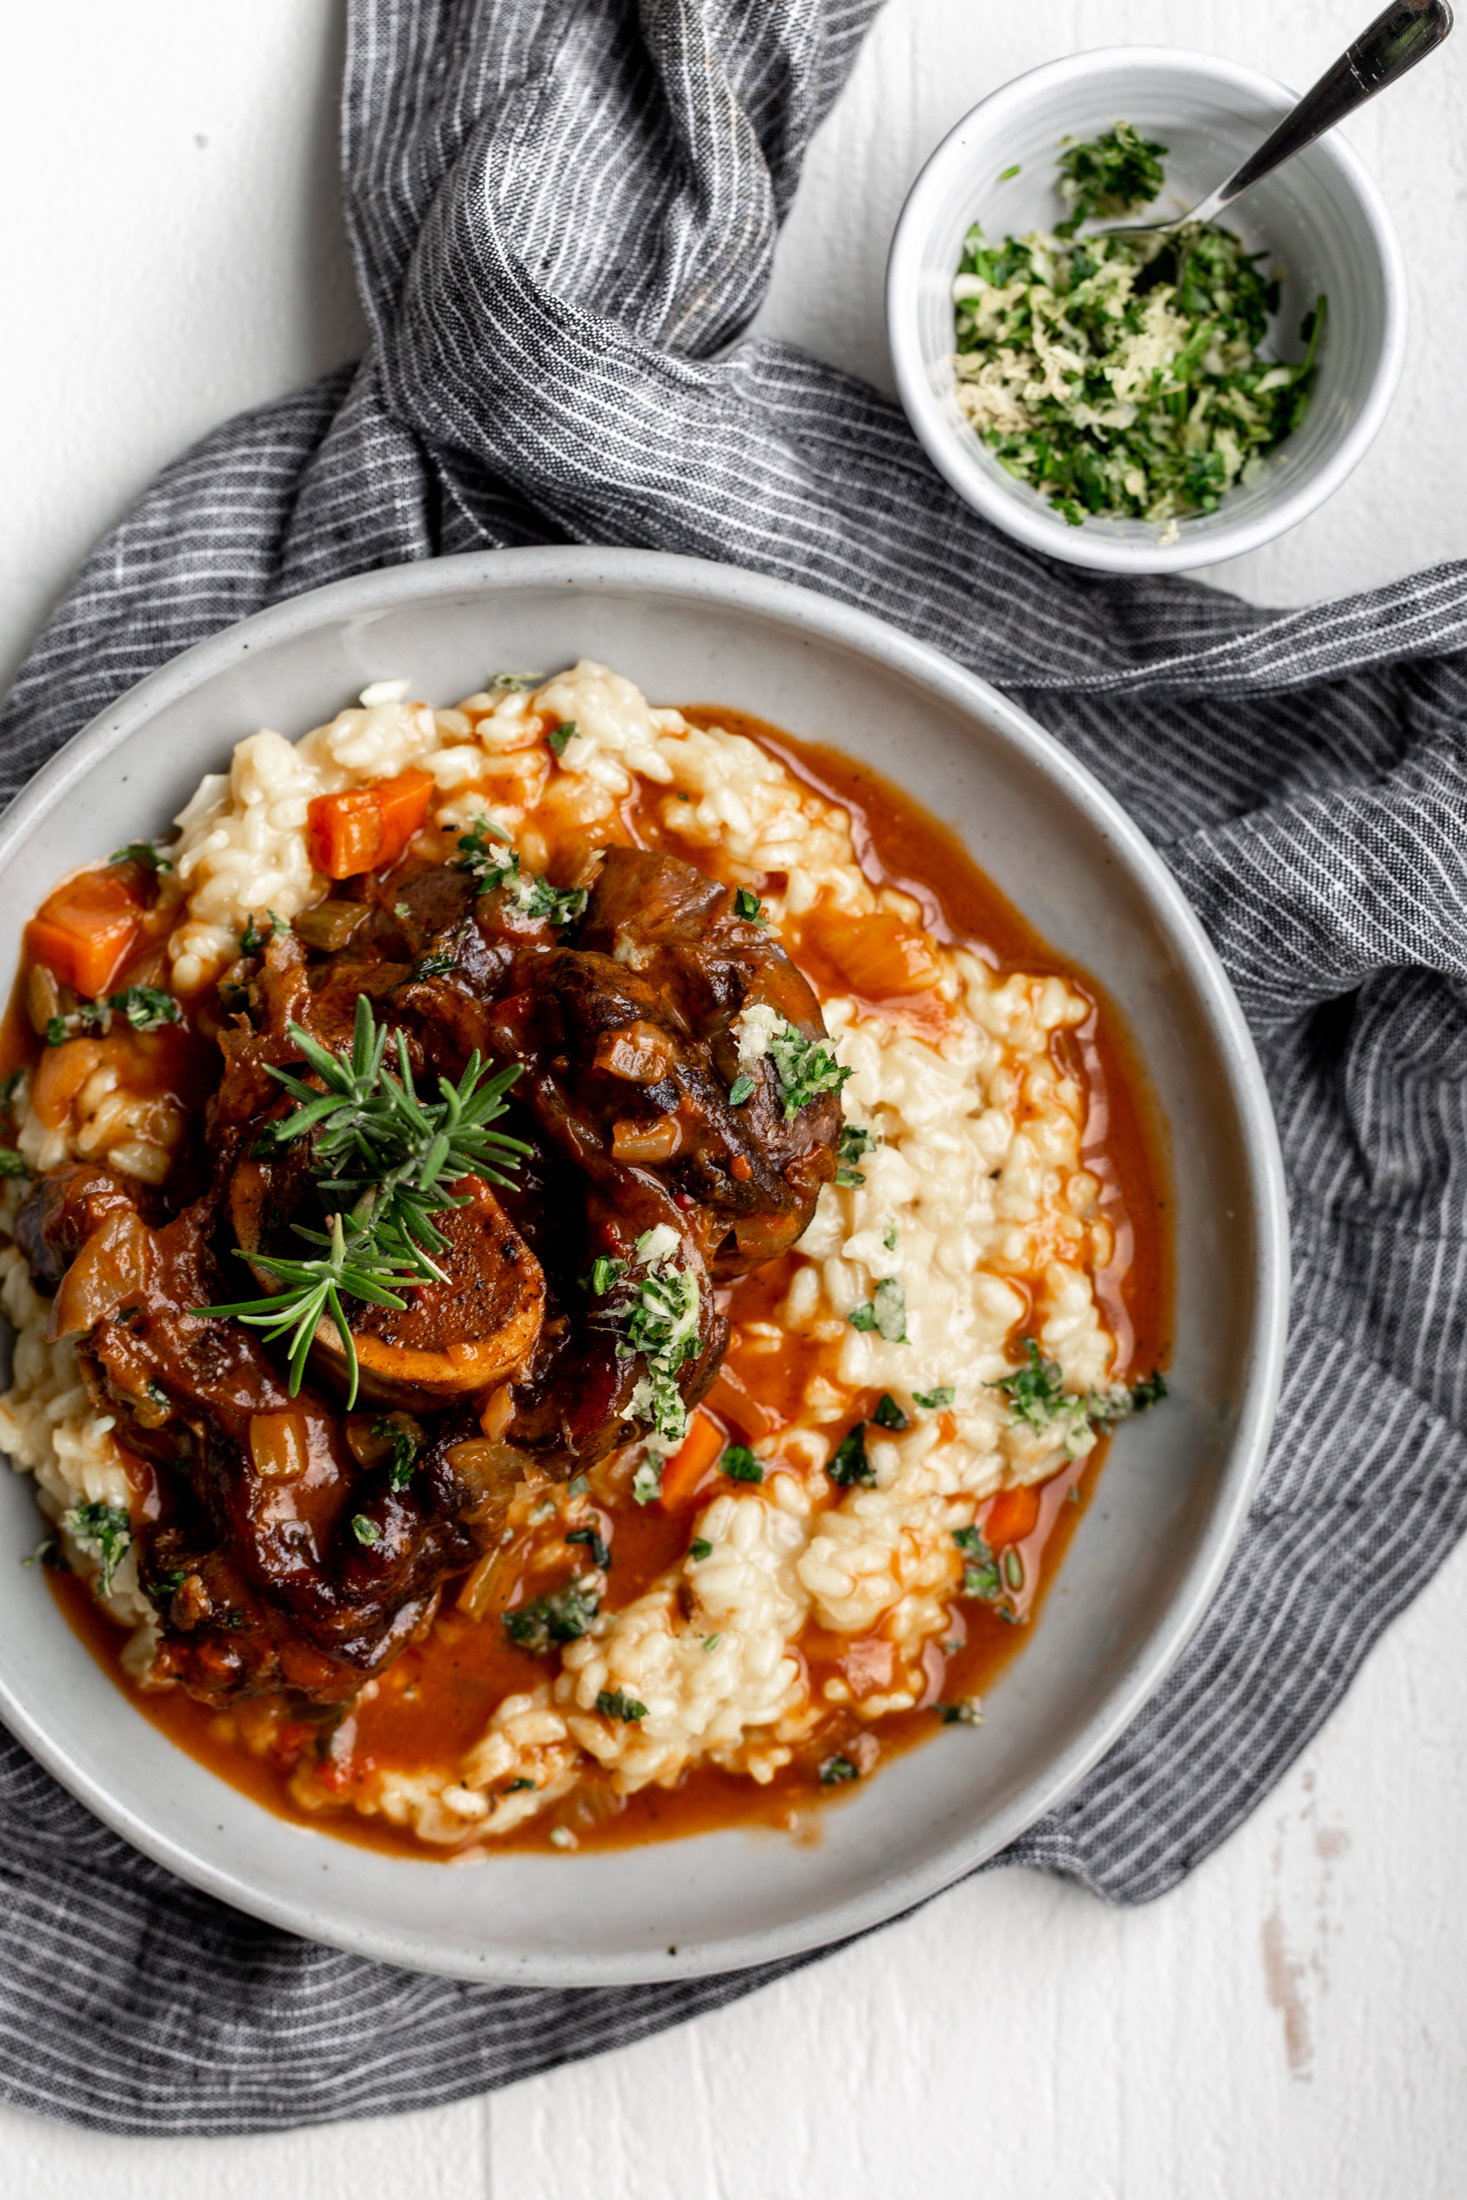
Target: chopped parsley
x=143 y=853
x=479 y=858
x=144 y=1007
x=614 y=1703
x=1036 y=1392
x=560 y=737
x=848 y=1465
x=889 y=1236
x=836 y=1771
x=740 y=1465
x=1005 y=173
x=1109 y=175
x=930 y=1400
x=885 y=1312
x=563 y=1616
x=252 y=941
x=659 y=1321
x=805 y=1069
x=700 y=1547
x=967 y=1711
x=887 y=1413
x=436 y=966
x=514 y=683
x=1038 y=1400
x=516 y=1787
x=104 y=1532
x=365 y=1530
x=748 y=906
x=740 y=1090
x=647 y=1481
x=1123 y=377
x=855 y=1140
x=528 y=891
x=395 y=1429
x=981 y=1576
x=45 y=1554
x=605 y=1274
x=13 y=1163
x=596 y=1549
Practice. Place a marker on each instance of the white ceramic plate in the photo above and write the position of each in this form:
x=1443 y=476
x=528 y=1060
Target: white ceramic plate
x=1150 y=1548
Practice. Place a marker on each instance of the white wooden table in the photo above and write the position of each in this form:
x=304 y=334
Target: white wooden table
x=1293 y=2020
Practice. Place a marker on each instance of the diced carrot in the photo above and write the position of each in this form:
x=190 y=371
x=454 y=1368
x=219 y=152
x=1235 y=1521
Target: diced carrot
x=879 y=955
x=686 y=1468
x=367 y=827
x=404 y=803
x=85 y=931
x=1012 y=1515
x=344 y=832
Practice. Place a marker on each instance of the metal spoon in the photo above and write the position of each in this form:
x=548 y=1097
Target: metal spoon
x=1403 y=34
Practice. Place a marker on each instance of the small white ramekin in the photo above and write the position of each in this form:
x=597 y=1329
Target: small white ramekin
x=1321 y=219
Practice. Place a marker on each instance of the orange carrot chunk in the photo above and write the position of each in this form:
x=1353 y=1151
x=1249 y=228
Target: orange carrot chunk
x=85 y=931
x=1012 y=1515
x=686 y=1468
x=344 y=832
x=404 y=802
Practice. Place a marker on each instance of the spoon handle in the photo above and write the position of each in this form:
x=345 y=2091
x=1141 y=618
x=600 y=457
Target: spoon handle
x=1401 y=35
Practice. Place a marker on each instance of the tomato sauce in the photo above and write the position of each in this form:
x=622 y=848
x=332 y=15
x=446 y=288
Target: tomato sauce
x=433 y=1704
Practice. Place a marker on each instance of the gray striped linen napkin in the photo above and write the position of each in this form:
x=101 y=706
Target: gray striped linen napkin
x=563 y=212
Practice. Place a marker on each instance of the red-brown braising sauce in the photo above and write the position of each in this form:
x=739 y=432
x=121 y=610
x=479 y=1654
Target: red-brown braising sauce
x=433 y=1704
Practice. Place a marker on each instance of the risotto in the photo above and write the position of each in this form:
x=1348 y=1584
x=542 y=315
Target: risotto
x=555 y=1269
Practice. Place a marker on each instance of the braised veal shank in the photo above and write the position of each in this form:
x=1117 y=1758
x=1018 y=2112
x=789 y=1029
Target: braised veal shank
x=284 y=1544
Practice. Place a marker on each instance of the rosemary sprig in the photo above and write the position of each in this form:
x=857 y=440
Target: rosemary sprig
x=313 y=1288
x=383 y=1159
x=388 y=1155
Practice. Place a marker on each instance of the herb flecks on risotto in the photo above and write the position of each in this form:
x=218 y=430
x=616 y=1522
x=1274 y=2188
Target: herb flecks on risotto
x=1125 y=377
x=454 y=1245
